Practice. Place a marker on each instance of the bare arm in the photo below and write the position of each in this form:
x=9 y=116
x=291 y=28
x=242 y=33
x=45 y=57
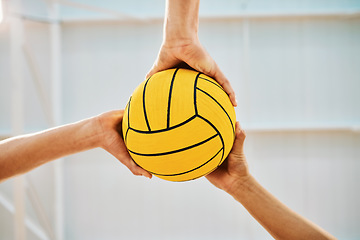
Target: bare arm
x=181 y=20
x=24 y=153
x=280 y=221
x=181 y=44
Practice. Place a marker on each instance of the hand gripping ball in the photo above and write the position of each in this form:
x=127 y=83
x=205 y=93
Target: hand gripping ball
x=179 y=125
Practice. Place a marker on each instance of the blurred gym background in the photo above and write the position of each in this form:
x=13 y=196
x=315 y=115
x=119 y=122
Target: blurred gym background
x=295 y=67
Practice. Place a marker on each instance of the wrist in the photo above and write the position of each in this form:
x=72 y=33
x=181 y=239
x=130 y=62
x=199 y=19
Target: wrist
x=92 y=132
x=178 y=29
x=98 y=130
x=241 y=187
x=107 y=125
x=181 y=20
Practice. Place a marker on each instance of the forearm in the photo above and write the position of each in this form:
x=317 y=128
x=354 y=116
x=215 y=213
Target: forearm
x=280 y=221
x=181 y=20
x=21 y=154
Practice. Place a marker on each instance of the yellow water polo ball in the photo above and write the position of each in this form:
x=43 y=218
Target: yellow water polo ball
x=179 y=125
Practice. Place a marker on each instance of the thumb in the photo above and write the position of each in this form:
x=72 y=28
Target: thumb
x=160 y=66
x=238 y=146
x=152 y=71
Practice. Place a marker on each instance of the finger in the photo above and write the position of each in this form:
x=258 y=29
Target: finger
x=240 y=132
x=210 y=68
x=238 y=145
x=163 y=61
x=225 y=83
x=157 y=67
x=124 y=157
x=152 y=71
x=131 y=165
x=135 y=169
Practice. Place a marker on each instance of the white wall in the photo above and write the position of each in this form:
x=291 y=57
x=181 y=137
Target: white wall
x=297 y=73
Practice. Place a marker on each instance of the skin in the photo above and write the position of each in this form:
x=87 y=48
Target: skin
x=24 y=153
x=281 y=222
x=181 y=45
